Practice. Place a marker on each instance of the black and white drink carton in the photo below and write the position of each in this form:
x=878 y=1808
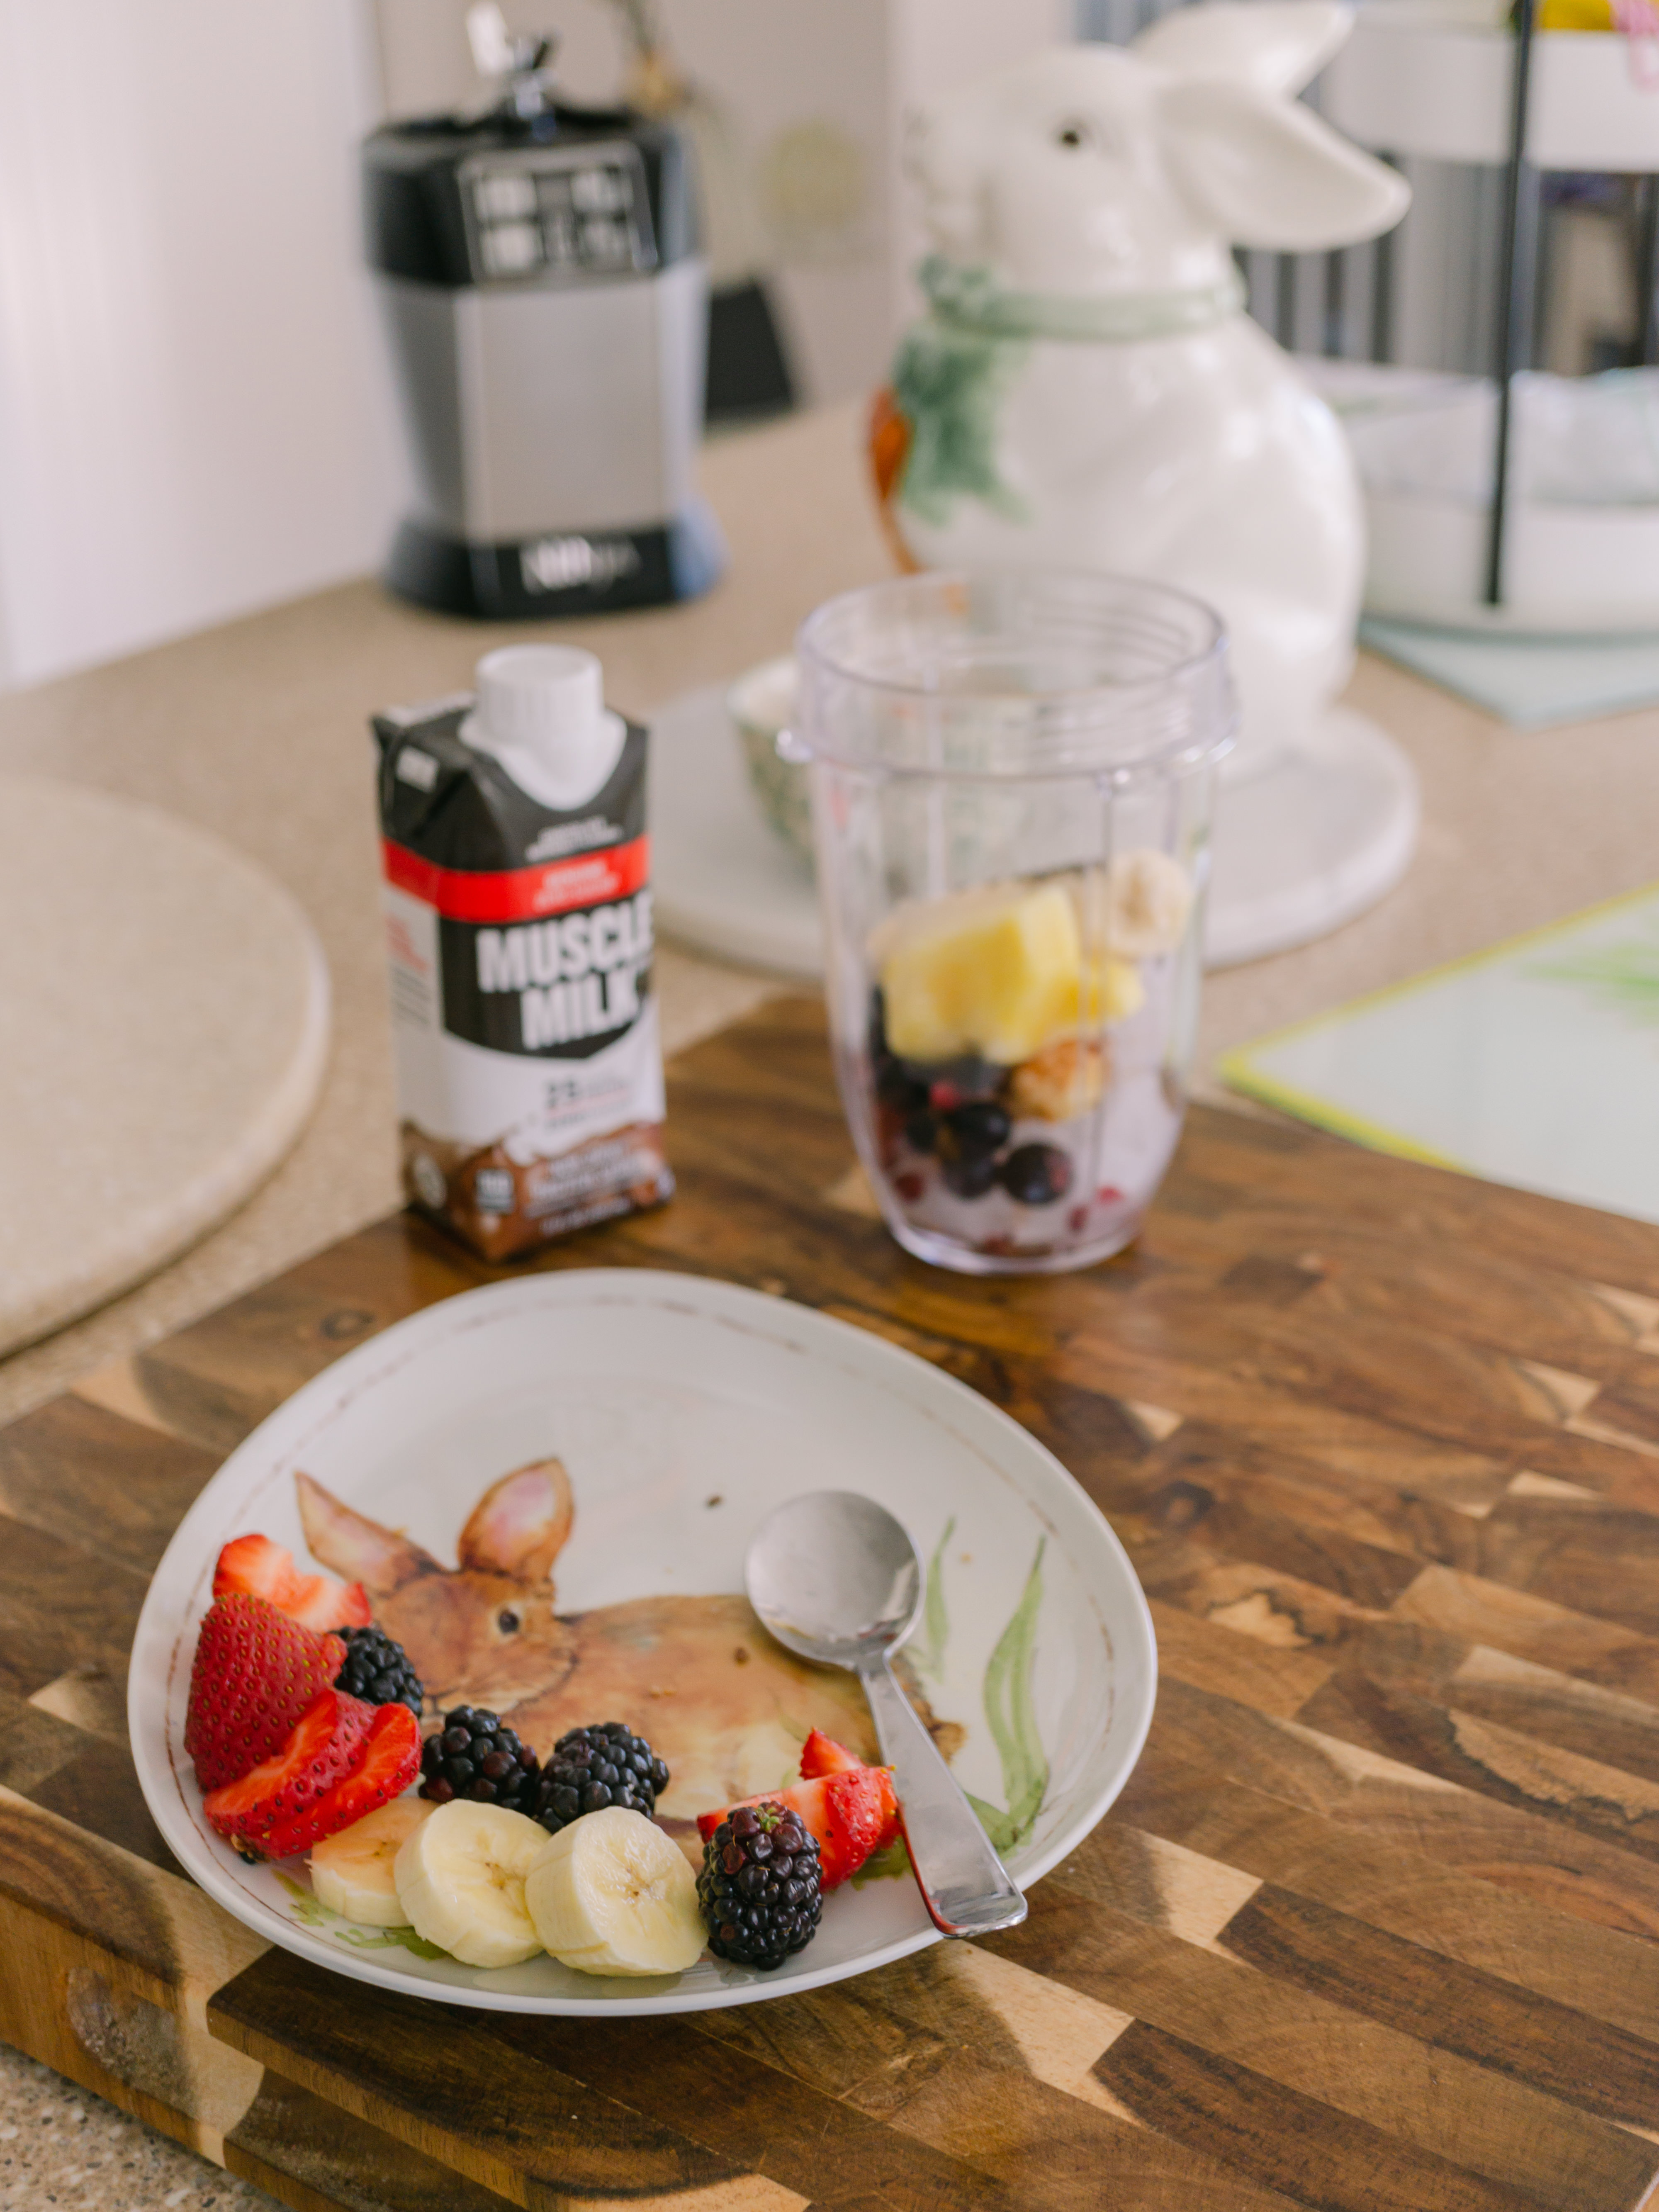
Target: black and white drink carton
x=518 y=909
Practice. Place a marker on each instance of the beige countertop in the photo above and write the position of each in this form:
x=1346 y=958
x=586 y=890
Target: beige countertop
x=257 y=731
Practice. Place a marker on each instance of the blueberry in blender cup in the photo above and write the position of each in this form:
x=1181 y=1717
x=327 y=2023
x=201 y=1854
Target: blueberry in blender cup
x=972 y=1178
x=1037 y=1175
x=975 y=1130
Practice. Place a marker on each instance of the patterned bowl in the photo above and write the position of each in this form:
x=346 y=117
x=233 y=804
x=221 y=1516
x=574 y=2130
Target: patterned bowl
x=761 y=703
x=637 y=1427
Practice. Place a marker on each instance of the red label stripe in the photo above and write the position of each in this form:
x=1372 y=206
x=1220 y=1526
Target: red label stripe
x=520 y=894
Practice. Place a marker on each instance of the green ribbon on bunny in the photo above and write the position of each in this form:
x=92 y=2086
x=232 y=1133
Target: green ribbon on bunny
x=953 y=368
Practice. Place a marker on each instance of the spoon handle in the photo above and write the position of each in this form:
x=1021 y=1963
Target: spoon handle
x=964 y=1884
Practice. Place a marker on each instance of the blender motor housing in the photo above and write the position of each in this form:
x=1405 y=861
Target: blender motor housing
x=547 y=309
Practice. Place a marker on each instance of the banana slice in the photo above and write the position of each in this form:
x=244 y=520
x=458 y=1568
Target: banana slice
x=1149 y=897
x=460 y=1878
x=611 y=1894
x=351 y=1872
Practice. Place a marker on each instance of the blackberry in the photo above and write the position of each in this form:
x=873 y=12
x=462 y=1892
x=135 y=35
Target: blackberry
x=476 y=1757
x=378 y=1671
x=590 y=1768
x=759 y=1888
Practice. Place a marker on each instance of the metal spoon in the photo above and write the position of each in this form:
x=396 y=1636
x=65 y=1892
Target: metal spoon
x=835 y=1578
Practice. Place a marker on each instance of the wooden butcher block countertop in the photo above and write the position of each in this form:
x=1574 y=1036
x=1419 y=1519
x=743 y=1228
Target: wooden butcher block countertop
x=1376 y=1921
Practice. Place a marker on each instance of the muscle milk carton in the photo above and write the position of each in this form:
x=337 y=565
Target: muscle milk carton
x=518 y=907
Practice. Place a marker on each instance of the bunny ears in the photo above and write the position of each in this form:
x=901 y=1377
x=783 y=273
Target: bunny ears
x=1266 y=172
x=1265 y=169
x=1270 y=46
x=517 y=1529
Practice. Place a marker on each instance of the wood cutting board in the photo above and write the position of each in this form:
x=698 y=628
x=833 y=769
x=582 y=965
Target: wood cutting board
x=1375 y=1923
x=165 y=1030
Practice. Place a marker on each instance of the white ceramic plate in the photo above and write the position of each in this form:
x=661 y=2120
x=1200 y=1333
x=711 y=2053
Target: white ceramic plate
x=683 y=1410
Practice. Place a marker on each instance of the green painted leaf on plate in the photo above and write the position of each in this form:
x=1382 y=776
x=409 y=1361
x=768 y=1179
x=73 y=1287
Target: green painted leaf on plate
x=925 y=1652
x=1011 y=1717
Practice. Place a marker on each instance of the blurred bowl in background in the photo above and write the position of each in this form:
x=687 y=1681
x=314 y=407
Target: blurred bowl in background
x=761 y=703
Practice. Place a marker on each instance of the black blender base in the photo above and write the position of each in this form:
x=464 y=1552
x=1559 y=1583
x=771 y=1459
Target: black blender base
x=566 y=572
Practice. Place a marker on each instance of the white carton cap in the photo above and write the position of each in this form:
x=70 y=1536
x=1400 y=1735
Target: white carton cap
x=541 y=712
x=548 y=698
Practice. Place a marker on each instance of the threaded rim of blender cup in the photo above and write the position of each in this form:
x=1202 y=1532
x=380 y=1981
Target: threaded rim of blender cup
x=1004 y=673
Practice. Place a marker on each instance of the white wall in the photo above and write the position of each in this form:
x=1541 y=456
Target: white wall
x=192 y=420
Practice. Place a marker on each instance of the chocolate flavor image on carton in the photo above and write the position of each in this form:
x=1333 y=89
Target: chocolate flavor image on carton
x=518 y=909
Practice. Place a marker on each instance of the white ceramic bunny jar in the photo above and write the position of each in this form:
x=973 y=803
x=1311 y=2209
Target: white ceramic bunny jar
x=1086 y=389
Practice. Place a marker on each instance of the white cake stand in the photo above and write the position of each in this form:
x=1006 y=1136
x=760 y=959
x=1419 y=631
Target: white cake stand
x=1310 y=840
x=721 y=877
x=1300 y=847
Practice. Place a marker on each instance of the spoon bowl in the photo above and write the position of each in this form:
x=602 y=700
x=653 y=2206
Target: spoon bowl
x=833 y=1574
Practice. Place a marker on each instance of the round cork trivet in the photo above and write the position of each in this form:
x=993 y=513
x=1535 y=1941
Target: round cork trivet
x=164 y=1008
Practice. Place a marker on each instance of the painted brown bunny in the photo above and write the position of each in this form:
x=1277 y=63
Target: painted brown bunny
x=725 y=1705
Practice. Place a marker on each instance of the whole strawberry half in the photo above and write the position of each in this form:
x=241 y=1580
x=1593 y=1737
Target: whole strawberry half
x=849 y=1813
x=391 y=1760
x=326 y=1746
x=255 y=1672
x=263 y=1569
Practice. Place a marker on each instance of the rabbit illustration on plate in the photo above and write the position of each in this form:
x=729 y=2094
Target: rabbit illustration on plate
x=1087 y=391
x=725 y=1705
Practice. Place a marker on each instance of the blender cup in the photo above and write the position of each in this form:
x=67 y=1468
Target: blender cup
x=1011 y=780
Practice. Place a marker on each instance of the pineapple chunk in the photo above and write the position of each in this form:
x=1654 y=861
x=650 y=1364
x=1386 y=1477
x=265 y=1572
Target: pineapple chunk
x=997 y=971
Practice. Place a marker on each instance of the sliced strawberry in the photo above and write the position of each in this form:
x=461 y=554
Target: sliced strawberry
x=863 y=1814
x=822 y=1755
x=254 y=1674
x=392 y=1760
x=265 y=1569
x=849 y=1813
x=326 y=1746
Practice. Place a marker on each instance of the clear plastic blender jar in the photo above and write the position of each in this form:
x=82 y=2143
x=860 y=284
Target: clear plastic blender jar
x=1011 y=784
